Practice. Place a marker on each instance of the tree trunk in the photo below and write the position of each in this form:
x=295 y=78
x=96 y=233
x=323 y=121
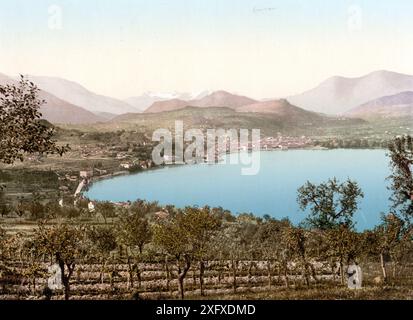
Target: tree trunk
x=234 y=275
x=269 y=274
x=287 y=282
x=139 y=276
x=168 y=275
x=182 y=275
x=65 y=280
x=383 y=267
x=34 y=285
x=251 y=265
x=313 y=272
x=305 y=275
x=67 y=291
x=342 y=271
x=201 y=277
x=102 y=272
x=130 y=271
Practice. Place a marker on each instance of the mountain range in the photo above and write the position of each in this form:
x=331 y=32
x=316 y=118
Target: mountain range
x=144 y=101
x=394 y=106
x=57 y=110
x=338 y=95
x=380 y=94
x=215 y=99
x=76 y=94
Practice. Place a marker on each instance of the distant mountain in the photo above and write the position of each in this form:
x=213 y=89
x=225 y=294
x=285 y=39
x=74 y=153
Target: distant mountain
x=168 y=105
x=223 y=99
x=143 y=102
x=56 y=110
x=298 y=122
x=215 y=99
x=281 y=107
x=395 y=106
x=338 y=95
x=76 y=94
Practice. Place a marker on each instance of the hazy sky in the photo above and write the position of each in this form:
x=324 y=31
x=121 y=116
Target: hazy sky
x=265 y=48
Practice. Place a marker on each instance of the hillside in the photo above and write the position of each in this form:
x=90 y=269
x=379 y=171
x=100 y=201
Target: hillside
x=76 y=94
x=338 y=95
x=168 y=105
x=216 y=99
x=280 y=107
x=302 y=122
x=56 y=110
x=144 y=101
x=395 y=106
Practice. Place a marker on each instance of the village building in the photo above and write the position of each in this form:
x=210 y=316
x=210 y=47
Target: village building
x=86 y=174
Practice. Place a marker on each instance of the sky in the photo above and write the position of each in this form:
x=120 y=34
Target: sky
x=262 y=48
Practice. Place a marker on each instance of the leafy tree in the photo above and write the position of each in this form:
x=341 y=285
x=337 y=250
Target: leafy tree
x=390 y=239
x=65 y=244
x=10 y=246
x=4 y=207
x=401 y=161
x=35 y=207
x=341 y=246
x=238 y=238
x=21 y=130
x=269 y=240
x=331 y=203
x=102 y=241
x=184 y=237
x=134 y=232
x=106 y=209
x=295 y=240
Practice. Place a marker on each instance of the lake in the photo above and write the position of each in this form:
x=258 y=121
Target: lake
x=272 y=191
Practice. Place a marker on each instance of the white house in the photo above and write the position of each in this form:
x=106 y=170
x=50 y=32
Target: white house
x=91 y=207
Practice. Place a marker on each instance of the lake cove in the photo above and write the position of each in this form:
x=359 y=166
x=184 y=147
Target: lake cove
x=272 y=191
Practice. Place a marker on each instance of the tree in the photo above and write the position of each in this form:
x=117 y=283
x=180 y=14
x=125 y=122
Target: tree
x=390 y=239
x=401 y=161
x=134 y=232
x=184 y=237
x=331 y=203
x=295 y=240
x=10 y=249
x=21 y=130
x=269 y=239
x=332 y=206
x=341 y=246
x=238 y=238
x=35 y=207
x=106 y=209
x=102 y=241
x=4 y=207
x=65 y=244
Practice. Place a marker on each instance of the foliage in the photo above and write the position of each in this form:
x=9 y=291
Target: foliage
x=133 y=229
x=401 y=156
x=65 y=244
x=21 y=130
x=106 y=209
x=185 y=237
x=331 y=203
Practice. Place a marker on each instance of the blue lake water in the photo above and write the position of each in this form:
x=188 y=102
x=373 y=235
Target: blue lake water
x=272 y=191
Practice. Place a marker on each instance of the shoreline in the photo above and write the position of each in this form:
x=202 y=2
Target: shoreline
x=127 y=173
